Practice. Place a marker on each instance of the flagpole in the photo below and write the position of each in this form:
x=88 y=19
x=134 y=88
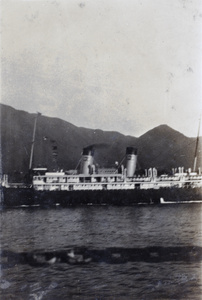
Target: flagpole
x=33 y=141
x=196 y=149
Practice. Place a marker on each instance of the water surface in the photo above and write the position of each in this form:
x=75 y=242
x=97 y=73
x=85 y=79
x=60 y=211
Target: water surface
x=58 y=230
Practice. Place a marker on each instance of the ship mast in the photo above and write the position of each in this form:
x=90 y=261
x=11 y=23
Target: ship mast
x=197 y=141
x=33 y=141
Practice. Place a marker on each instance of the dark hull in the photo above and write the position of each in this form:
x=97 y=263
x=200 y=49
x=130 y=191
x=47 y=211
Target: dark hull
x=11 y=197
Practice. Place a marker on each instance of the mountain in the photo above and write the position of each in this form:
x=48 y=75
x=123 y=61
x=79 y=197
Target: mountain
x=165 y=148
x=161 y=147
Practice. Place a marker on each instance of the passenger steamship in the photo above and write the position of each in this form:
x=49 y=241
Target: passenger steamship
x=90 y=185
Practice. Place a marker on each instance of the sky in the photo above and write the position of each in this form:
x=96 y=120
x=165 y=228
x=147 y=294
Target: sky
x=116 y=65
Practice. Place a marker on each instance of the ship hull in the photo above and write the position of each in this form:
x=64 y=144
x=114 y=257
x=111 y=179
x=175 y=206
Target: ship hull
x=14 y=197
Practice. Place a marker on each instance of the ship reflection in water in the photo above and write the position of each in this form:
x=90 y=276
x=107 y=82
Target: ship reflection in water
x=102 y=252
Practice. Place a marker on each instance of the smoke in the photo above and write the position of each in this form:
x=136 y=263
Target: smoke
x=97 y=146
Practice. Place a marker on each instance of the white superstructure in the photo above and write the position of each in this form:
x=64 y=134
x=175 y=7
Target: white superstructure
x=90 y=178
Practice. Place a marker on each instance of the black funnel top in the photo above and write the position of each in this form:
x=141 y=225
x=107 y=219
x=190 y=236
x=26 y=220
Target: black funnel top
x=88 y=151
x=131 y=150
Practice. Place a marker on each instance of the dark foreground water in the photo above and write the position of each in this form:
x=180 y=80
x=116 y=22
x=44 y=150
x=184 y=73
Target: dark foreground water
x=140 y=252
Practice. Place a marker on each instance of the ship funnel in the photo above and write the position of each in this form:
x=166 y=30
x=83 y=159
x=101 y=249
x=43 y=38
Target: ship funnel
x=87 y=160
x=131 y=160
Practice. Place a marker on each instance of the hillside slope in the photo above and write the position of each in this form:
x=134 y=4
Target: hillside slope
x=161 y=147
